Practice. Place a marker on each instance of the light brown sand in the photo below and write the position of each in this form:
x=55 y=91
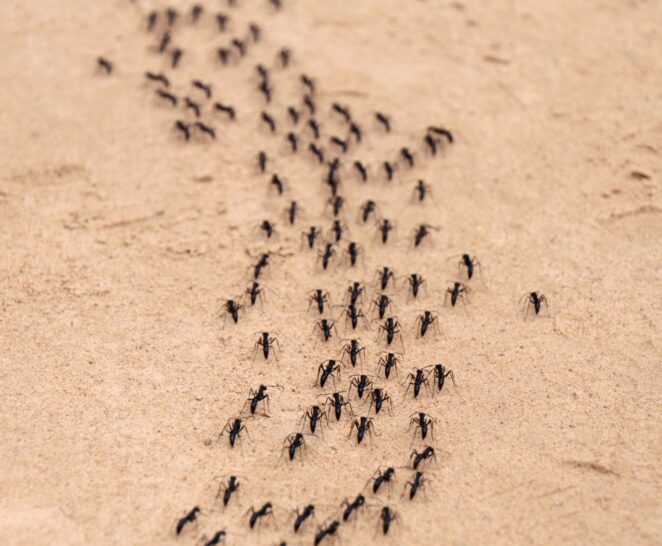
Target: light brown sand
x=118 y=241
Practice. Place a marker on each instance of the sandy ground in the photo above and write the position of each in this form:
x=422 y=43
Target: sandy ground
x=120 y=240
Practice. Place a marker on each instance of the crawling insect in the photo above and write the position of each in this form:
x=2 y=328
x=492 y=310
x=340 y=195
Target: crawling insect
x=167 y=96
x=307 y=512
x=263 y=262
x=255 y=397
x=308 y=82
x=317 y=152
x=234 y=427
x=387 y=515
x=231 y=487
x=431 y=144
x=378 y=397
x=164 y=42
x=310 y=104
x=361 y=382
x=354 y=250
x=337 y=402
x=354 y=351
x=206 y=129
x=326 y=370
x=457 y=292
x=416 y=281
x=152 y=18
x=265 y=90
x=417 y=458
x=265 y=510
x=232 y=308
x=193 y=106
x=343 y=111
x=254 y=291
x=407 y=156
x=355 y=130
x=268 y=344
x=285 y=56
x=222 y=21
x=326 y=255
x=389 y=170
x=204 y=87
x=324 y=532
x=188 y=518
x=268 y=227
x=239 y=45
x=382 y=304
x=417 y=378
x=314 y=415
x=417 y=482
x=534 y=300
x=362 y=170
x=384 y=227
x=354 y=314
x=315 y=128
x=470 y=263
x=424 y=321
x=224 y=55
x=384 y=120
x=422 y=422
x=336 y=202
x=294 y=114
x=337 y=228
x=311 y=235
x=293 y=141
x=262 y=161
x=392 y=328
x=256 y=32
x=320 y=298
x=266 y=118
x=293 y=442
x=183 y=128
x=352 y=507
x=196 y=12
x=160 y=78
x=278 y=183
x=389 y=363
x=215 y=539
x=175 y=57
x=421 y=190
x=355 y=291
x=342 y=144
x=440 y=131
x=421 y=232
x=385 y=274
x=105 y=64
x=363 y=426
x=368 y=208
x=380 y=477
x=229 y=110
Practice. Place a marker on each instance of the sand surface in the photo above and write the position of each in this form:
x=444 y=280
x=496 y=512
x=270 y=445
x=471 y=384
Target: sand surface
x=120 y=241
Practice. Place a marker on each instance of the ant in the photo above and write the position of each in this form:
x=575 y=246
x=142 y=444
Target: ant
x=105 y=64
x=417 y=378
x=423 y=422
x=440 y=375
x=240 y=45
x=176 y=57
x=255 y=397
x=158 y=78
x=392 y=328
x=470 y=263
x=534 y=300
x=183 y=128
x=193 y=106
x=314 y=127
x=384 y=120
x=229 y=110
x=343 y=111
x=387 y=516
x=355 y=291
x=224 y=54
x=362 y=170
x=368 y=208
x=188 y=518
x=262 y=262
x=196 y=12
x=276 y=181
x=308 y=82
x=309 y=510
x=265 y=510
x=165 y=40
x=233 y=427
x=353 y=506
x=407 y=156
x=353 y=314
x=232 y=308
x=262 y=161
x=378 y=397
x=294 y=114
x=337 y=401
x=266 y=342
x=255 y=31
x=337 y=227
x=310 y=104
x=431 y=143
x=389 y=170
x=269 y=121
x=385 y=227
x=171 y=16
x=424 y=321
x=222 y=21
x=254 y=291
x=385 y=274
x=292 y=211
x=457 y=291
x=379 y=478
x=285 y=57
x=342 y=144
x=315 y=415
x=231 y=487
x=356 y=131
x=389 y=363
x=421 y=189
x=216 y=539
x=417 y=458
x=440 y=131
x=354 y=351
x=151 y=20
x=361 y=382
x=324 y=532
x=292 y=442
x=418 y=481
x=294 y=143
x=326 y=255
x=262 y=71
x=205 y=129
x=382 y=304
x=268 y=228
x=311 y=235
x=327 y=369
x=167 y=96
x=265 y=90
x=421 y=232
x=363 y=425
x=317 y=152
x=336 y=203
x=205 y=88
x=320 y=297
x=353 y=251
x=415 y=282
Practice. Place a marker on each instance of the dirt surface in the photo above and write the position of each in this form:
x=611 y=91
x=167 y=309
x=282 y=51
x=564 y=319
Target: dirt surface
x=120 y=241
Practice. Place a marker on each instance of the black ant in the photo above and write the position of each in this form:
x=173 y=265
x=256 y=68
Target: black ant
x=417 y=378
x=470 y=263
x=326 y=255
x=215 y=539
x=356 y=131
x=421 y=232
x=278 y=183
x=342 y=144
x=205 y=88
x=368 y=208
x=196 y=12
x=326 y=531
x=311 y=235
x=440 y=375
x=535 y=300
x=285 y=57
x=292 y=442
x=382 y=304
x=354 y=314
x=337 y=401
x=387 y=515
x=379 y=478
x=254 y=291
x=165 y=40
x=206 y=129
x=188 y=518
x=457 y=292
x=424 y=321
x=222 y=21
x=232 y=308
x=354 y=351
x=314 y=127
x=421 y=190
x=266 y=342
x=268 y=227
x=418 y=481
x=423 y=422
x=389 y=363
x=262 y=262
x=171 y=16
x=315 y=415
x=353 y=251
x=326 y=370
x=440 y=131
x=361 y=382
x=407 y=156
x=176 y=57
x=308 y=82
x=363 y=425
x=310 y=104
x=355 y=291
x=240 y=46
x=255 y=31
x=183 y=128
x=229 y=110
x=385 y=274
x=392 y=328
x=378 y=397
x=265 y=510
x=416 y=281
x=266 y=90
x=294 y=114
x=291 y=212
x=167 y=96
x=343 y=111
x=262 y=161
x=431 y=143
x=158 y=78
x=262 y=71
x=269 y=121
x=105 y=64
x=384 y=120
x=308 y=511
x=224 y=54
x=336 y=203
x=231 y=487
x=385 y=227
x=233 y=427
x=317 y=152
x=337 y=228
x=353 y=506
x=152 y=18
x=193 y=106
x=417 y=458
x=294 y=143
x=319 y=297
x=255 y=397
x=362 y=170
x=389 y=170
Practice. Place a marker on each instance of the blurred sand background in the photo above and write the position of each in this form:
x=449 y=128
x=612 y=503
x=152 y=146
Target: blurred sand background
x=119 y=240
